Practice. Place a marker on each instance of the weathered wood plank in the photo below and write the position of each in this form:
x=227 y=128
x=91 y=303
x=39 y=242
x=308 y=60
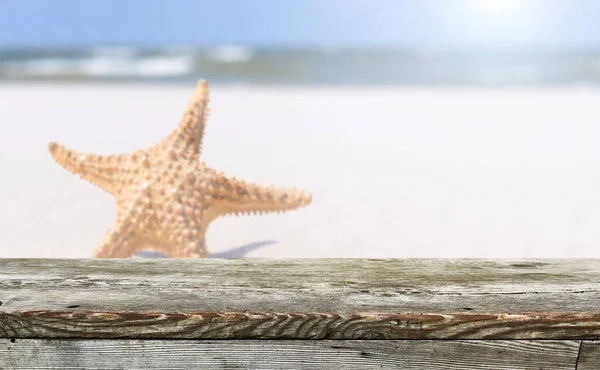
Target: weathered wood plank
x=589 y=356
x=240 y=325
x=301 y=299
x=347 y=285
x=254 y=354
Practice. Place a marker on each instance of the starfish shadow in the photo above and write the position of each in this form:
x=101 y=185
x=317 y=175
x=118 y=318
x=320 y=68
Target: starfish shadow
x=149 y=253
x=239 y=252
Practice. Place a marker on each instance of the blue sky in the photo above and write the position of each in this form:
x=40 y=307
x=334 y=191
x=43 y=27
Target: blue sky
x=422 y=23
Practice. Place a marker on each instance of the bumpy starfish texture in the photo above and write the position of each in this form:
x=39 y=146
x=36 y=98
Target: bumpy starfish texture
x=165 y=196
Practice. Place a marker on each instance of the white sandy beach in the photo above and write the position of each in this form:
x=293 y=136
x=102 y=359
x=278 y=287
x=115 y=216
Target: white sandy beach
x=394 y=172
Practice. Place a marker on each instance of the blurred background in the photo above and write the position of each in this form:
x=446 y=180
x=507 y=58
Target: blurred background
x=341 y=42
x=423 y=128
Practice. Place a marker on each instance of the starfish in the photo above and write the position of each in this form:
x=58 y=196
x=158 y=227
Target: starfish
x=165 y=196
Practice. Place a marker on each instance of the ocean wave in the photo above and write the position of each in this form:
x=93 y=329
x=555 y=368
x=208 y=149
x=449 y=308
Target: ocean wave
x=232 y=54
x=327 y=65
x=100 y=67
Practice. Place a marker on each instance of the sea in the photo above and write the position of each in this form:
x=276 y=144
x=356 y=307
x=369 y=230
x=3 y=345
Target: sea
x=234 y=64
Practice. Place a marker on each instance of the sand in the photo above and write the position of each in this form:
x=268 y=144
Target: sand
x=394 y=172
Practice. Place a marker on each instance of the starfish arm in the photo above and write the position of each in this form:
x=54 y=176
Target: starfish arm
x=130 y=231
x=187 y=238
x=181 y=232
x=186 y=140
x=231 y=196
x=176 y=235
x=104 y=171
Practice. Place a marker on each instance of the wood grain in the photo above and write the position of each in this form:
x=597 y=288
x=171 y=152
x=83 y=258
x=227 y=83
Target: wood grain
x=281 y=354
x=589 y=356
x=300 y=299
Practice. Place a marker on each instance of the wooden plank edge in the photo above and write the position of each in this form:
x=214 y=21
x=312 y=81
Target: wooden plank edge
x=299 y=325
x=277 y=354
